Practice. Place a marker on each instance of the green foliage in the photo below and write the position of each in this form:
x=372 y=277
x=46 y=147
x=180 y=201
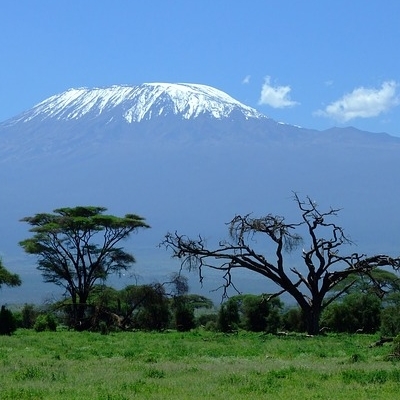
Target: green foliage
x=390 y=320
x=250 y=312
x=396 y=347
x=7 y=278
x=357 y=311
x=45 y=322
x=378 y=281
x=228 y=317
x=261 y=315
x=293 y=320
x=203 y=319
x=184 y=317
x=29 y=315
x=26 y=317
x=184 y=307
x=151 y=307
x=7 y=322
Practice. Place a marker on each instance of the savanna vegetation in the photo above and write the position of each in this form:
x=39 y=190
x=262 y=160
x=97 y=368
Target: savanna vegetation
x=158 y=340
x=194 y=365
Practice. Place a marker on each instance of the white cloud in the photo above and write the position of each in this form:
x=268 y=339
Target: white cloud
x=246 y=79
x=277 y=97
x=362 y=103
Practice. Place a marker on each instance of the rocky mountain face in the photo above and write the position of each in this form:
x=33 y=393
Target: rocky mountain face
x=188 y=158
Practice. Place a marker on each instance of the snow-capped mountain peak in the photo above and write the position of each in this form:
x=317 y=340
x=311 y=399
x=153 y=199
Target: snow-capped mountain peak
x=137 y=103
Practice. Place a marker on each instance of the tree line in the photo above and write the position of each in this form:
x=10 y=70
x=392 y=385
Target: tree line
x=79 y=248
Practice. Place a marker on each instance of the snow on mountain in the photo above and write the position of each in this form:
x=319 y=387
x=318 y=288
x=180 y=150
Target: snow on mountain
x=138 y=103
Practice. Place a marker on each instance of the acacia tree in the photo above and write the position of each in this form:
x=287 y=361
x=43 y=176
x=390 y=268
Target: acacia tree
x=77 y=247
x=324 y=266
x=7 y=278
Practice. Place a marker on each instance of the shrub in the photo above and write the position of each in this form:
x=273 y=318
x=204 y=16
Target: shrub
x=211 y=326
x=396 y=346
x=184 y=318
x=355 y=311
x=45 y=322
x=228 y=317
x=7 y=322
x=203 y=319
x=293 y=320
x=390 y=321
x=260 y=315
x=29 y=315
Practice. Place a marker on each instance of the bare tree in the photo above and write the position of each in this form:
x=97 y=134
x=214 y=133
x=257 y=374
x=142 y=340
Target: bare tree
x=324 y=266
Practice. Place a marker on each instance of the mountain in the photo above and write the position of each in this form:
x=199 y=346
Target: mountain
x=138 y=103
x=187 y=157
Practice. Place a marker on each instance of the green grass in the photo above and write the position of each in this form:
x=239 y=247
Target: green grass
x=195 y=365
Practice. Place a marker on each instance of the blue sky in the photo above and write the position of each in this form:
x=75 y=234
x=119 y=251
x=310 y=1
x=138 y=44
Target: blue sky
x=314 y=63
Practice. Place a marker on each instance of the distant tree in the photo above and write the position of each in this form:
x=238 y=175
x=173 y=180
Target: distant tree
x=255 y=313
x=183 y=315
x=150 y=307
x=324 y=266
x=29 y=314
x=260 y=315
x=390 y=320
x=77 y=247
x=382 y=283
x=355 y=312
x=7 y=278
x=7 y=321
x=228 y=317
x=293 y=320
x=183 y=304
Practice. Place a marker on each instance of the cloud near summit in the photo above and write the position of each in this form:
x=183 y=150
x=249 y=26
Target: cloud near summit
x=362 y=103
x=276 y=96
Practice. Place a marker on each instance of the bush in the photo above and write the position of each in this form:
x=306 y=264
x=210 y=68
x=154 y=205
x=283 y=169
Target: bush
x=293 y=320
x=45 y=322
x=7 y=322
x=184 y=318
x=396 y=346
x=356 y=311
x=228 y=317
x=251 y=312
x=203 y=319
x=29 y=315
x=260 y=315
x=390 y=321
x=211 y=326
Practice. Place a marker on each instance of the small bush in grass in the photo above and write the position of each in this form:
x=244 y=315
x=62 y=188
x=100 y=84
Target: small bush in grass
x=45 y=322
x=203 y=319
x=211 y=326
x=390 y=321
x=396 y=347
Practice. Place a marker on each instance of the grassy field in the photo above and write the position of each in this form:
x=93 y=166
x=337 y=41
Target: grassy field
x=195 y=365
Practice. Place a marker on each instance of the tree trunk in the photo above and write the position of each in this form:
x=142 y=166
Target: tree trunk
x=312 y=316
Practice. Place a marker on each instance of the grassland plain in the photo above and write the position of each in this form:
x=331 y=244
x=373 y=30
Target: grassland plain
x=194 y=365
